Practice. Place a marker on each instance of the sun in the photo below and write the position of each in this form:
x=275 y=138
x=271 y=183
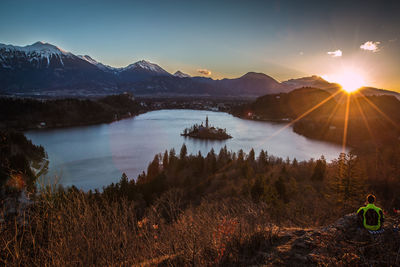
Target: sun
x=350 y=80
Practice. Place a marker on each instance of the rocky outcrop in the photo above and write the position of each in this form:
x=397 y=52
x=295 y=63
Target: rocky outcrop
x=341 y=244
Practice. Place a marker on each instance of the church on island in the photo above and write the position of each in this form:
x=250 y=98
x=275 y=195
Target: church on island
x=206 y=132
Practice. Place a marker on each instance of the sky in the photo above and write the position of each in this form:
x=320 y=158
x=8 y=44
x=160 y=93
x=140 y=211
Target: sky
x=284 y=39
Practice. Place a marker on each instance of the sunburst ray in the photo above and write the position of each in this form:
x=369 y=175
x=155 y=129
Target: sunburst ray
x=380 y=111
x=346 y=124
x=303 y=115
x=365 y=120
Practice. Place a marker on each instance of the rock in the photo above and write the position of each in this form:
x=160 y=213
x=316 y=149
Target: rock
x=347 y=222
x=342 y=243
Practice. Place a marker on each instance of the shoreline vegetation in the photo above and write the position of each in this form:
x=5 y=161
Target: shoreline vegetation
x=27 y=114
x=374 y=120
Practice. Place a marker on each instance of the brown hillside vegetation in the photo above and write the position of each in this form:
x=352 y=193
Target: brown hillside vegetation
x=228 y=209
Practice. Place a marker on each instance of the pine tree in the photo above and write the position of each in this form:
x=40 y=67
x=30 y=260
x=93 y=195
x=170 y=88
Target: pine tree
x=200 y=163
x=240 y=156
x=123 y=184
x=183 y=153
x=222 y=157
x=262 y=158
x=258 y=190
x=251 y=157
x=172 y=157
x=154 y=168
x=280 y=187
x=141 y=178
x=347 y=183
x=319 y=170
x=295 y=163
x=212 y=161
x=165 y=160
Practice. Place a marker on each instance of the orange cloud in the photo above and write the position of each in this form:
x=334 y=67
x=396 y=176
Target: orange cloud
x=204 y=71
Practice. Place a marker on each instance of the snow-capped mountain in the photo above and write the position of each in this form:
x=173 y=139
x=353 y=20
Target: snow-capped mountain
x=146 y=65
x=180 y=74
x=43 y=69
x=39 y=54
x=36 y=49
x=97 y=64
x=140 y=71
x=40 y=51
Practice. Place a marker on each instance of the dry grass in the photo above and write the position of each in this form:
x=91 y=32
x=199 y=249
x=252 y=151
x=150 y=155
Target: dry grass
x=64 y=229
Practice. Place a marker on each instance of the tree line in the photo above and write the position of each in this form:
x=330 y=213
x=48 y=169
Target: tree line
x=297 y=191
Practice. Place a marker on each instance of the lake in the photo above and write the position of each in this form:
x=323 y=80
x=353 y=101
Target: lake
x=94 y=156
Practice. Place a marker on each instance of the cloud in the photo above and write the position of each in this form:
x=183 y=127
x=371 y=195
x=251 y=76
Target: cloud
x=370 y=46
x=204 y=71
x=337 y=53
x=301 y=53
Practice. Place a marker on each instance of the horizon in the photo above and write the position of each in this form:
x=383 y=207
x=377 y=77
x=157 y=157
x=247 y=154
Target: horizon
x=224 y=40
x=197 y=74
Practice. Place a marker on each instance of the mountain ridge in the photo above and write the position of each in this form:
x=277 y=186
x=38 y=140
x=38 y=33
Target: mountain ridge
x=180 y=74
x=43 y=69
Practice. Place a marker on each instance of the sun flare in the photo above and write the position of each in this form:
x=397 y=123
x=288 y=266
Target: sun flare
x=351 y=80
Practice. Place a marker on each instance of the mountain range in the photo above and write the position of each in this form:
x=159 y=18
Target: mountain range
x=45 y=70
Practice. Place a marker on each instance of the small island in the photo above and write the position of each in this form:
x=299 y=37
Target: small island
x=206 y=132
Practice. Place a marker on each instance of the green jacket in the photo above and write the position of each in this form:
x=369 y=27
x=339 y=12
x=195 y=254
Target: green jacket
x=372 y=217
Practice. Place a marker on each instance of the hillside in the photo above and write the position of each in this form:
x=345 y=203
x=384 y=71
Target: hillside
x=218 y=210
x=288 y=105
x=318 y=114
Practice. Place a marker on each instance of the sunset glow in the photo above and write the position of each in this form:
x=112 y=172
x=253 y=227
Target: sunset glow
x=350 y=79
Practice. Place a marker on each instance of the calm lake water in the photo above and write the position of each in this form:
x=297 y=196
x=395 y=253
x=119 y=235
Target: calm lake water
x=95 y=156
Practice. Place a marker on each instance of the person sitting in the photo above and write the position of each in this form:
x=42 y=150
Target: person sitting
x=370 y=217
